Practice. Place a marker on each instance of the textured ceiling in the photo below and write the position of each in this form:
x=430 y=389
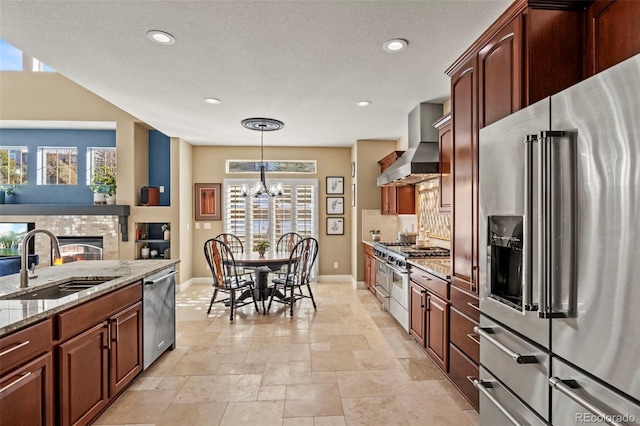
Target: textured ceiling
x=302 y=62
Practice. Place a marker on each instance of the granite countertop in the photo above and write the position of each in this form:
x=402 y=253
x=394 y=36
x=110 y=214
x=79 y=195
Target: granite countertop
x=441 y=268
x=15 y=314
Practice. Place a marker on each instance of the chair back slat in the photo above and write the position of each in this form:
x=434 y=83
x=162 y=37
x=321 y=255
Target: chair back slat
x=233 y=241
x=287 y=242
x=301 y=261
x=220 y=258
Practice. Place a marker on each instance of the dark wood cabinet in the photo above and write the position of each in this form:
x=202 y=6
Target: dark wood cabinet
x=27 y=394
x=83 y=366
x=460 y=369
x=465 y=176
x=396 y=199
x=429 y=318
x=445 y=141
x=437 y=331
x=612 y=33
x=125 y=358
x=369 y=268
x=100 y=353
x=417 y=317
x=26 y=376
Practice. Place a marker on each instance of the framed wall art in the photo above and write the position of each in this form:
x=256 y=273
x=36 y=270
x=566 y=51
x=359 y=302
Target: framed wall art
x=207 y=199
x=335 y=205
x=335 y=226
x=335 y=185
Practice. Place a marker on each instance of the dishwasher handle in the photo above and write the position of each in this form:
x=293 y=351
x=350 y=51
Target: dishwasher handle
x=162 y=278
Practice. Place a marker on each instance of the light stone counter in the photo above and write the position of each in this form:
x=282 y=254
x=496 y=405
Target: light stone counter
x=15 y=314
x=439 y=267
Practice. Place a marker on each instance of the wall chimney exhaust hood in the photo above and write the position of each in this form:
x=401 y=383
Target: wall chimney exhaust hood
x=421 y=160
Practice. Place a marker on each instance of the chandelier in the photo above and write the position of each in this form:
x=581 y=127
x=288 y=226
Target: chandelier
x=260 y=188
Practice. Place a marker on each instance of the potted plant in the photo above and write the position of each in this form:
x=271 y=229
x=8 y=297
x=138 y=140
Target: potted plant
x=375 y=234
x=103 y=185
x=6 y=191
x=261 y=246
x=166 y=231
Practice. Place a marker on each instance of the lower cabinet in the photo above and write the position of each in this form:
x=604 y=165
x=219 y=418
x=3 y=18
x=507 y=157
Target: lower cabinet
x=26 y=394
x=429 y=324
x=98 y=363
x=369 y=268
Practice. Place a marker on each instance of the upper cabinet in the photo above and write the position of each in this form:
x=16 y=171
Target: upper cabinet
x=445 y=141
x=396 y=199
x=612 y=33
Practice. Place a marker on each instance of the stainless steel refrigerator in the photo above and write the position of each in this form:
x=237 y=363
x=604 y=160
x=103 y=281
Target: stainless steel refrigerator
x=559 y=238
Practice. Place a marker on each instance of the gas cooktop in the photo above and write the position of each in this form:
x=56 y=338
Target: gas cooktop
x=410 y=250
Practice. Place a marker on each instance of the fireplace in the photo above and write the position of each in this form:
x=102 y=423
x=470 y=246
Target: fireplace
x=77 y=248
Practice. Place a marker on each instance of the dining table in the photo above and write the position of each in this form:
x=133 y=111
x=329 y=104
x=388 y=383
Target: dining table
x=262 y=265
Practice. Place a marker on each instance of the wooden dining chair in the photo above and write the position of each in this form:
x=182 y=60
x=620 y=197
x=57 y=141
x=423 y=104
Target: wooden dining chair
x=285 y=244
x=226 y=278
x=237 y=247
x=301 y=260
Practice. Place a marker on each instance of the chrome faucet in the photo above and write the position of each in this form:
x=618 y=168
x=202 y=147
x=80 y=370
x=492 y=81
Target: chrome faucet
x=24 y=263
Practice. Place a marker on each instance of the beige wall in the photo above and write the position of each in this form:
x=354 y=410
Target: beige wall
x=366 y=154
x=209 y=167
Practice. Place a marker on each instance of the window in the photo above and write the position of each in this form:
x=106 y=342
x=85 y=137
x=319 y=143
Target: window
x=250 y=166
x=13 y=165
x=13 y=59
x=266 y=218
x=58 y=166
x=98 y=157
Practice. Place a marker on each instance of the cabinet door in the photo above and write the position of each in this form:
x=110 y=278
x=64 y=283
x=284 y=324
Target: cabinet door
x=405 y=199
x=465 y=160
x=612 y=33
x=83 y=375
x=500 y=74
x=125 y=357
x=392 y=200
x=437 y=331
x=26 y=394
x=417 y=318
x=445 y=137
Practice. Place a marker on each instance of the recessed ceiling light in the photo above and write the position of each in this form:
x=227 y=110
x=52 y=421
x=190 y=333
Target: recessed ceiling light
x=363 y=103
x=161 y=37
x=395 y=45
x=213 y=101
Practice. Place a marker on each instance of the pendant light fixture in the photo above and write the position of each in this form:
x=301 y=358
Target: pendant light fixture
x=261 y=188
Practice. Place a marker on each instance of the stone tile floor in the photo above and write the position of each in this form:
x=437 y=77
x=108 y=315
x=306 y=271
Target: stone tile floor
x=346 y=363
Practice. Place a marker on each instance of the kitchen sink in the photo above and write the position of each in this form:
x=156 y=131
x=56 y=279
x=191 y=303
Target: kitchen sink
x=60 y=290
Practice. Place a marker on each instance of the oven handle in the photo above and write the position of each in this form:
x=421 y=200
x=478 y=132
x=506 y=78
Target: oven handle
x=563 y=387
x=528 y=304
x=379 y=259
x=399 y=271
x=483 y=386
x=520 y=359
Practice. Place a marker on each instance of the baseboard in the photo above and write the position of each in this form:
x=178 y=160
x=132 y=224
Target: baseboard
x=185 y=285
x=335 y=278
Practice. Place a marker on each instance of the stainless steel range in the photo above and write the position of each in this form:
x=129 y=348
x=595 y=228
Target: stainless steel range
x=392 y=276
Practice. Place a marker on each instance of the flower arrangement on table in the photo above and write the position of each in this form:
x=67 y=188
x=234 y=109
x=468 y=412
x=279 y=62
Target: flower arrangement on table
x=103 y=181
x=261 y=246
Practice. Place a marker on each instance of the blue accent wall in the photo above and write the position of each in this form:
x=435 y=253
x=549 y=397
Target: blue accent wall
x=160 y=164
x=55 y=194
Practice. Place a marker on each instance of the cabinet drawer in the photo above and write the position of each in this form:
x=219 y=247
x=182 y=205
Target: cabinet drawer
x=430 y=282
x=466 y=303
x=460 y=368
x=463 y=336
x=22 y=346
x=85 y=316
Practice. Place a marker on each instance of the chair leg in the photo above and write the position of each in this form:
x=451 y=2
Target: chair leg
x=273 y=291
x=311 y=295
x=213 y=298
x=291 y=300
x=253 y=295
x=232 y=304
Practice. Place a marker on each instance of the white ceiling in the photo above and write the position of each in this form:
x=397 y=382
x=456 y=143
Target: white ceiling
x=302 y=62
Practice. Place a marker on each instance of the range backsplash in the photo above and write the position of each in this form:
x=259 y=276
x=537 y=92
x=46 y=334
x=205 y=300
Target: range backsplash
x=438 y=225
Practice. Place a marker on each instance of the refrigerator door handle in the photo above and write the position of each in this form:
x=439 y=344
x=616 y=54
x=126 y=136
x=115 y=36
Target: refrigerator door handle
x=486 y=332
x=546 y=213
x=528 y=304
x=483 y=386
x=566 y=387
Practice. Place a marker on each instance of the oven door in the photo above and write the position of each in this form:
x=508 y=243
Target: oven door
x=383 y=277
x=399 y=301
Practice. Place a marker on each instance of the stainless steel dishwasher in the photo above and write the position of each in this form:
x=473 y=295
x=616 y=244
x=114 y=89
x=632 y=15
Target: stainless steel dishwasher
x=159 y=314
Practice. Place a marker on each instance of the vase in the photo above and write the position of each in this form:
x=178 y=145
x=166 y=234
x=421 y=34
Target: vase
x=111 y=199
x=261 y=251
x=144 y=252
x=167 y=235
x=375 y=237
x=99 y=198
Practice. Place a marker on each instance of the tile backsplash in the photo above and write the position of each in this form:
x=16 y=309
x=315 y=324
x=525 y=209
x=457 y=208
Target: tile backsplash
x=386 y=224
x=429 y=218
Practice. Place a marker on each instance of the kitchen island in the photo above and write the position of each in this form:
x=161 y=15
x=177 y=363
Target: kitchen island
x=77 y=333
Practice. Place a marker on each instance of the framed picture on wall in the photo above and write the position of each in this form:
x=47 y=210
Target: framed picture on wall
x=335 y=226
x=207 y=199
x=335 y=205
x=335 y=185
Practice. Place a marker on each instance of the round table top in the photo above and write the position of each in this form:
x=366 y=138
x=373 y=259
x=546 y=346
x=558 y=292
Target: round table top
x=273 y=260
